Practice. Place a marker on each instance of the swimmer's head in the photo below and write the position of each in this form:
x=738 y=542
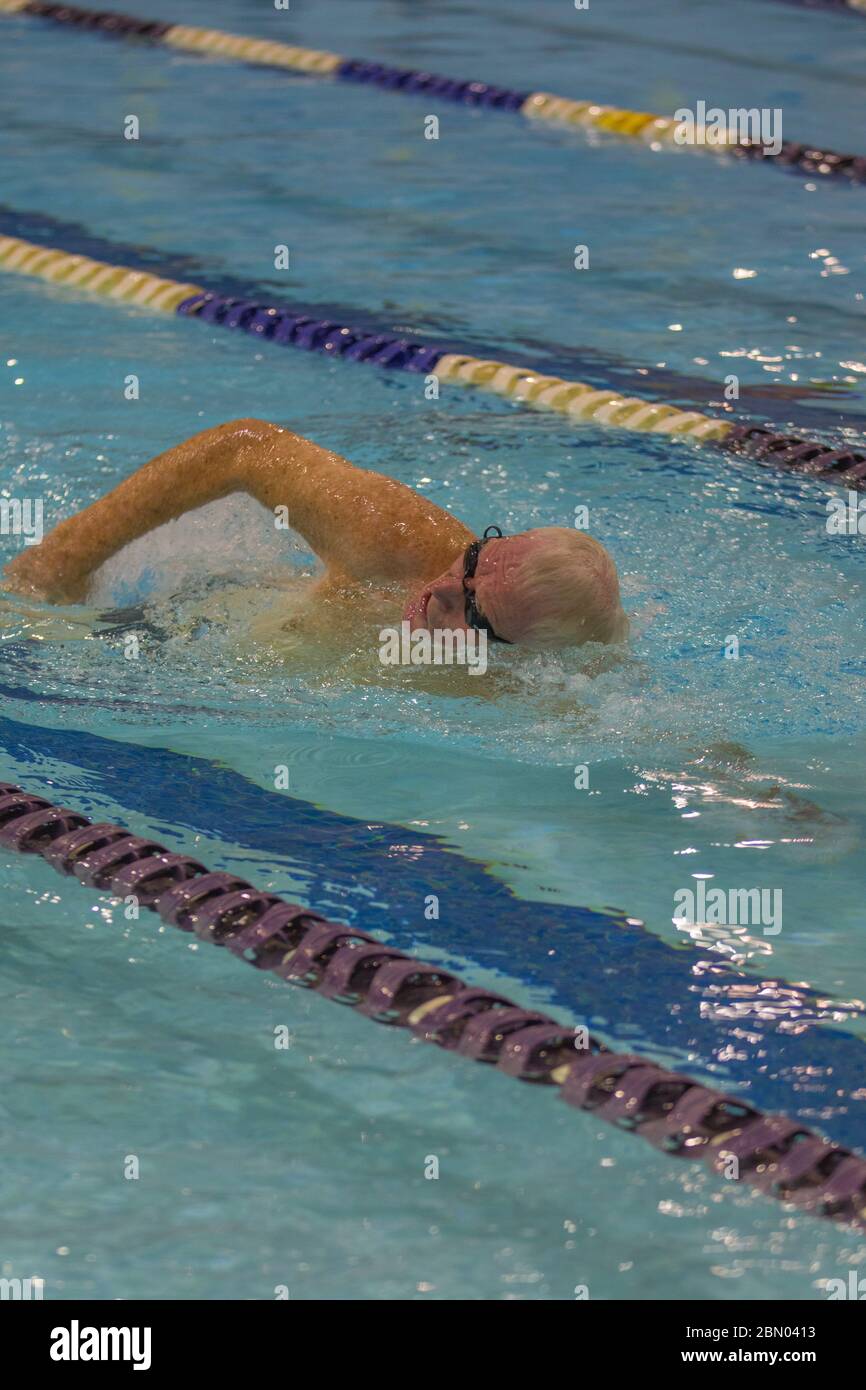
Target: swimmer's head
x=546 y=588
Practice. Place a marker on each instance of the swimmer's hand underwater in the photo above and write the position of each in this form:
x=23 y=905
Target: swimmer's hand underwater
x=544 y=588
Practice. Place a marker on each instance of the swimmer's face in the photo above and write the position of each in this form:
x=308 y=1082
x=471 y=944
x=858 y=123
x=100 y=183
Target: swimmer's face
x=549 y=587
x=485 y=594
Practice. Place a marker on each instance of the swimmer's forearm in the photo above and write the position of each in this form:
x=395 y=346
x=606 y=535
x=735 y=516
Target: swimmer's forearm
x=198 y=471
x=360 y=523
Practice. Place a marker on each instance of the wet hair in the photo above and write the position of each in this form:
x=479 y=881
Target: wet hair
x=567 y=586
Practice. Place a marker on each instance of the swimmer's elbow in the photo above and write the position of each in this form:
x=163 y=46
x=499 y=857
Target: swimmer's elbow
x=249 y=425
x=235 y=450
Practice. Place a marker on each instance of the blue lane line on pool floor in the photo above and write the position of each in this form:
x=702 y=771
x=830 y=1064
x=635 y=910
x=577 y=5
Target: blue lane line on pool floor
x=624 y=982
x=599 y=369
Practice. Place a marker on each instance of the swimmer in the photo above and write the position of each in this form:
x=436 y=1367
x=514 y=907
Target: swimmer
x=550 y=587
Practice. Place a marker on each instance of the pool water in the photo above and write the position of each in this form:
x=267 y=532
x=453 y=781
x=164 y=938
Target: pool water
x=304 y=1167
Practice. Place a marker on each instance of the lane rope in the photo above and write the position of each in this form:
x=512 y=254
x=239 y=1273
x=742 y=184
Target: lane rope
x=285 y=327
x=780 y=1157
x=858 y=5
x=536 y=106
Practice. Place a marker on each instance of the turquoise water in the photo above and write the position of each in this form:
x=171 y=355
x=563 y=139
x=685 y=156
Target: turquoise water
x=305 y=1167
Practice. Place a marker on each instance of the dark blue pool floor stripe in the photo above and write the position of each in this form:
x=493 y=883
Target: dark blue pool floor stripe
x=601 y=370
x=79 y=240
x=555 y=359
x=621 y=981
x=778 y=1156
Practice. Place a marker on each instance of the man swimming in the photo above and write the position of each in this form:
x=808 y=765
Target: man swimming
x=544 y=588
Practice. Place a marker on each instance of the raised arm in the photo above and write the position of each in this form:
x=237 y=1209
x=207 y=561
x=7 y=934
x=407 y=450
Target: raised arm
x=362 y=524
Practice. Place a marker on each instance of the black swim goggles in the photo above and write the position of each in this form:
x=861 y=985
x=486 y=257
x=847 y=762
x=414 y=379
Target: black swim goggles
x=470 y=564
